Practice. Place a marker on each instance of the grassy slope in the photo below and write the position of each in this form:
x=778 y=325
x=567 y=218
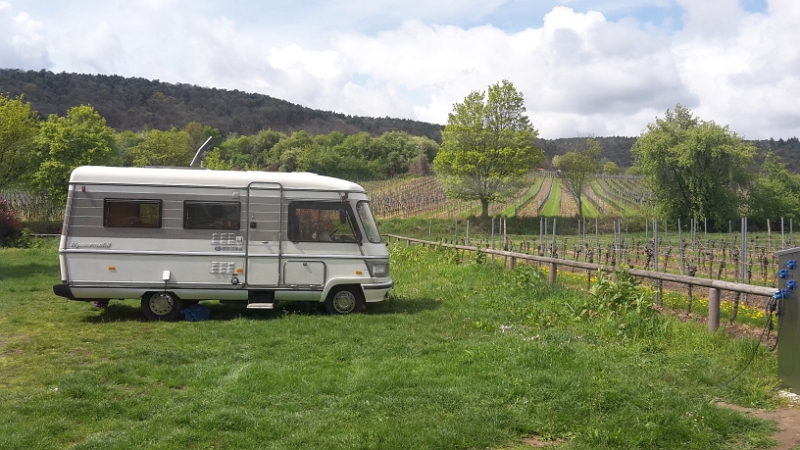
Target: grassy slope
x=553 y=205
x=462 y=356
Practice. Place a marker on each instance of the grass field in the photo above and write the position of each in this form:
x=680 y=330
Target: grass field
x=463 y=356
x=553 y=205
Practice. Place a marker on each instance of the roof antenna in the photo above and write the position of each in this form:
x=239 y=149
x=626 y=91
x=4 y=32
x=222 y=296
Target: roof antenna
x=200 y=156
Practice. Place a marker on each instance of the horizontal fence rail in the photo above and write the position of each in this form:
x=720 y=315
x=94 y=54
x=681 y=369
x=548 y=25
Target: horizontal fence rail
x=714 y=286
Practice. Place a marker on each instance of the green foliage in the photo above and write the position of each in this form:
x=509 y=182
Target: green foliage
x=577 y=169
x=64 y=143
x=164 y=148
x=18 y=129
x=623 y=308
x=487 y=146
x=696 y=169
x=610 y=168
x=10 y=225
x=138 y=104
x=775 y=193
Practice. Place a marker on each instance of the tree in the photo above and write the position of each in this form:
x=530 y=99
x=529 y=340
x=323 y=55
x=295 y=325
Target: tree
x=18 y=129
x=696 y=169
x=164 y=148
x=487 y=146
x=775 y=193
x=64 y=143
x=576 y=169
x=611 y=168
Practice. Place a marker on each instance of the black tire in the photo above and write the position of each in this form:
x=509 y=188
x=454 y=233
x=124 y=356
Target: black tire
x=162 y=306
x=345 y=300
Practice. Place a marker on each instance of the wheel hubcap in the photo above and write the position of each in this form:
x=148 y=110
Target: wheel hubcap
x=161 y=304
x=344 y=302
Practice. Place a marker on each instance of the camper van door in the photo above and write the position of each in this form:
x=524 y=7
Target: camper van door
x=264 y=229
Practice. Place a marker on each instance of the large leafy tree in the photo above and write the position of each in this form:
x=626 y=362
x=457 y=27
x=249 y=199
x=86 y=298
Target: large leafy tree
x=487 y=146
x=64 y=143
x=696 y=169
x=775 y=193
x=164 y=148
x=18 y=129
x=577 y=168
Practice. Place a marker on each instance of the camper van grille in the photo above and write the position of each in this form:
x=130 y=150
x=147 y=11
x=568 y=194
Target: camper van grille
x=223 y=267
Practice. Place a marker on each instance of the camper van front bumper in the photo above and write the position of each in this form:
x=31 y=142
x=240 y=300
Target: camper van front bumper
x=385 y=285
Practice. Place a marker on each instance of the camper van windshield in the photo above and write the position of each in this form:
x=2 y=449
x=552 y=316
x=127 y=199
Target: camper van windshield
x=322 y=222
x=365 y=214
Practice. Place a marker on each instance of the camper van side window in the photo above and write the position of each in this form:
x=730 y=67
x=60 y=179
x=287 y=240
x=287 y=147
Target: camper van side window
x=211 y=215
x=122 y=213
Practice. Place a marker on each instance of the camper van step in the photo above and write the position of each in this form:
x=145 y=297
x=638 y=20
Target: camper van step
x=260 y=305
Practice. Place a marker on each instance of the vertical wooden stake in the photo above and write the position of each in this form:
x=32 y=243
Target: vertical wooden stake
x=713 y=309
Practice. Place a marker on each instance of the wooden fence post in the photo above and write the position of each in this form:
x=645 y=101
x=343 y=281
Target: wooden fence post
x=713 y=309
x=553 y=270
x=512 y=263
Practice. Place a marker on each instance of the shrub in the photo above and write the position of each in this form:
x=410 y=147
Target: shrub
x=10 y=226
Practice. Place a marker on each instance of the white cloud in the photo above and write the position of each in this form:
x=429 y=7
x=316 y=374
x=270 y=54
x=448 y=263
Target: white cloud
x=580 y=72
x=22 y=42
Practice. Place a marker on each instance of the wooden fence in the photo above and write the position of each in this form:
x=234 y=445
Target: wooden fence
x=714 y=286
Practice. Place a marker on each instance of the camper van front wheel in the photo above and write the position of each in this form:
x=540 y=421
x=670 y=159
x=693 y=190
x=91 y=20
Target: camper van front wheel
x=161 y=306
x=344 y=300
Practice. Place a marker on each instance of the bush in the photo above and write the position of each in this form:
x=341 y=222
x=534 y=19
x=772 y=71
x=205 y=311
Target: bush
x=10 y=226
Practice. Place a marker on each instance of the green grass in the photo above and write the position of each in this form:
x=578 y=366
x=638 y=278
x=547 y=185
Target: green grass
x=462 y=356
x=511 y=210
x=589 y=211
x=553 y=206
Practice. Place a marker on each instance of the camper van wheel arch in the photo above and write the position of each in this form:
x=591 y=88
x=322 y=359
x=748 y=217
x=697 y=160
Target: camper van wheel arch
x=164 y=306
x=344 y=300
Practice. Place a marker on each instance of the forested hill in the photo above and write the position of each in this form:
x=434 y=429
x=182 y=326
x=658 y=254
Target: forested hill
x=618 y=149
x=139 y=104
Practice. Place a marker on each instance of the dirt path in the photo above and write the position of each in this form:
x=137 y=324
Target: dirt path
x=787 y=419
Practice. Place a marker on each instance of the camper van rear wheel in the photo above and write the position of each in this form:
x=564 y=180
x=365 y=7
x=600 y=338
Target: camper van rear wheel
x=344 y=300
x=161 y=306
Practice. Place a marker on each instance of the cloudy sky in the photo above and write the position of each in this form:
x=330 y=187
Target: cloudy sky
x=603 y=67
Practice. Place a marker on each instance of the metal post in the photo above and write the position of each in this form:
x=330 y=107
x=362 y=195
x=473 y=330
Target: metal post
x=430 y=228
x=744 y=249
x=596 y=241
x=553 y=248
x=621 y=250
x=455 y=236
x=680 y=247
x=713 y=309
x=492 y=238
x=655 y=245
x=783 y=239
x=467 y=233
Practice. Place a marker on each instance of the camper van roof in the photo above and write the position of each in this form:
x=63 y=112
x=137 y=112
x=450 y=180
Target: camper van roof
x=202 y=177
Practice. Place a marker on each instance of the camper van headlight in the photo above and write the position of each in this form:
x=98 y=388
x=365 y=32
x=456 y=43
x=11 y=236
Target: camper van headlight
x=378 y=269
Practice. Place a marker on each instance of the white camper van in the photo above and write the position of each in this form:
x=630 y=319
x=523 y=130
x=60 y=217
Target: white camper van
x=173 y=237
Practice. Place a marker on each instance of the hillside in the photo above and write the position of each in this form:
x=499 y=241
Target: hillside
x=139 y=104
